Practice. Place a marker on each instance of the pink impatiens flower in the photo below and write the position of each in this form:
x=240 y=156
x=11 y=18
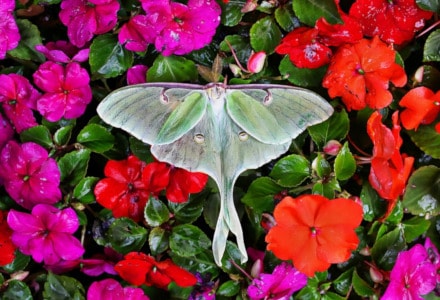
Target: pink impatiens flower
x=137 y=74
x=8 y=27
x=67 y=90
x=110 y=289
x=46 y=233
x=29 y=175
x=84 y=18
x=6 y=131
x=63 y=52
x=18 y=98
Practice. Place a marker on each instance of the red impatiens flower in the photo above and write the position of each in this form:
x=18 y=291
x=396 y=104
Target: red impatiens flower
x=138 y=268
x=123 y=191
x=179 y=183
x=360 y=74
x=389 y=169
x=314 y=231
x=7 y=248
x=394 y=21
x=422 y=106
x=304 y=49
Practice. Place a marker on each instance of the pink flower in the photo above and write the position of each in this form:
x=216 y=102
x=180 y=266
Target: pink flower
x=137 y=74
x=101 y=263
x=412 y=275
x=6 y=131
x=18 y=98
x=280 y=285
x=84 y=18
x=29 y=175
x=67 y=90
x=46 y=233
x=136 y=34
x=433 y=256
x=8 y=27
x=63 y=52
x=111 y=289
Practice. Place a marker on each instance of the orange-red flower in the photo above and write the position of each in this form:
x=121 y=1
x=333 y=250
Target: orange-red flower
x=138 y=268
x=422 y=106
x=7 y=248
x=314 y=232
x=360 y=74
x=389 y=169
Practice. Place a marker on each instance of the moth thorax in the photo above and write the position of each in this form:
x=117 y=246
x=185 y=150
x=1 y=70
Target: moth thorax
x=216 y=92
x=243 y=136
x=199 y=138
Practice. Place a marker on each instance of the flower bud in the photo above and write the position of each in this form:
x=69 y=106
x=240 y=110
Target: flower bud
x=249 y=6
x=418 y=75
x=256 y=62
x=376 y=275
x=332 y=147
x=257 y=268
x=235 y=69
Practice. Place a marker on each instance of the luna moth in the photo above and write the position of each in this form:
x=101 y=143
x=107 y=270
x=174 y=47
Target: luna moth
x=215 y=129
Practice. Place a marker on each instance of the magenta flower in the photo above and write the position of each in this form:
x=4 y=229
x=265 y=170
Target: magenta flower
x=63 y=52
x=413 y=275
x=137 y=74
x=136 y=34
x=176 y=28
x=6 y=131
x=280 y=285
x=8 y=27
x=84 y=18
x=67 y=90
x=29 y=175
x=433 y=256
x=18 y=98
x=46 y=233
x=101 y=263
x=111 y=289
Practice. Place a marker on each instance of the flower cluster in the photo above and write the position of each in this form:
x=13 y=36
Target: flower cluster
x=8 y=26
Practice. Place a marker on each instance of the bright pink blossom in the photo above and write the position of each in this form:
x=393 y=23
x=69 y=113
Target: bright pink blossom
x=413 y=275
x=110 y=289
x=67 y=90
x=6 y=131
x=63 y=52
x=10 y=36
x=18 y=98
x=101 y=263
x=136 y=34
x=280 y=285
x=84 y=18
x=46 y=233
x=137 y=74
x=29 y=175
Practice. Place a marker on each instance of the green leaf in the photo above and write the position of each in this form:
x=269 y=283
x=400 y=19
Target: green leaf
x=190 y=210
x=431 y=50
x=62 y=136
x=96 y=137
x=140 y=149
x=345 y=164
x=231 y=253
x=342 y=284
x=431 y=5
x=84 y=190
x=422 y=194
x=19 y=263
x=29 y=38
x=309 y=11
x=108 y=58
x=260 y=194
x=372 y=204
x=156 y=212
x=126 y=236
x=327 y=189
x=16 y=290
x=188 y=240
x=427 y=139
x=158 y=240
x=334 y=128
x=265 y=35
x=231 y=12
x=304 y=77
x=385 y=250
x=291 y=170
x=286 y=18
x=172 y=69
x=202 y=263
x=38 y=134
x=73 y=166
x=62 y=287
x=415 y=227
x=229 y=288
x=361 y=287
x=241 y=46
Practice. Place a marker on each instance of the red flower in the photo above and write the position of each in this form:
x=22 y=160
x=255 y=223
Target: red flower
x=138 y=268
x=393 y=21
x=389 y=169
x=360 y=74
x=422 y=106
x=123 y=191
x=303 y=48
x=178 y=182
x=7 y=248
x=314 y=231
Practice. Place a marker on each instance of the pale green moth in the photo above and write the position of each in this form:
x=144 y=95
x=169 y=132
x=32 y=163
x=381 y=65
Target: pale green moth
x=215 y=129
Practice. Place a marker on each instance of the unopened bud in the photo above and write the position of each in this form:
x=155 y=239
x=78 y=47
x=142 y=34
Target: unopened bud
x=376 y=275
x=257 y=268
x=256 y=62
x=249 y=6
x=332 y=147
x=235 y=69
x=418 y=75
